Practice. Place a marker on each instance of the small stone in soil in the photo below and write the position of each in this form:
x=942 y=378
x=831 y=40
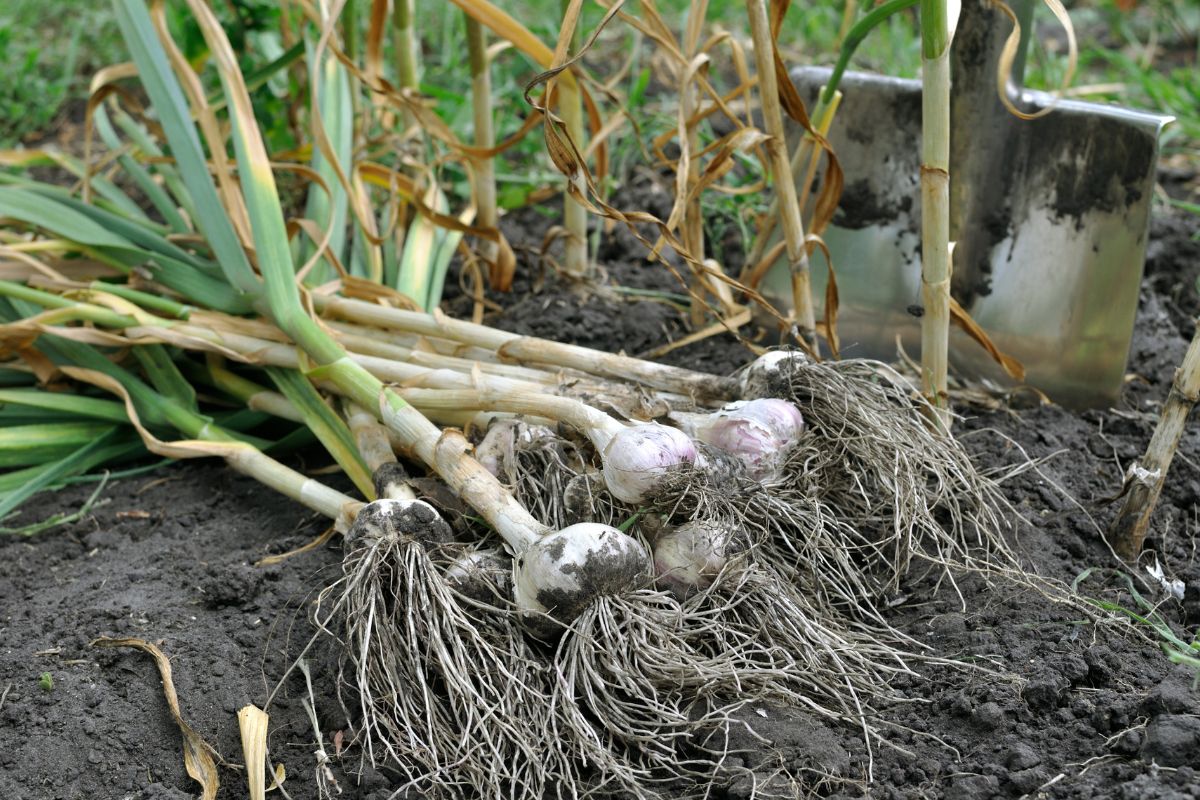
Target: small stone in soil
x=1021 y=756
x=973 y=787
x=1027 y=780
x=1043 y=691
x=1173 y=740
x=988 y=716
x=1173 y=695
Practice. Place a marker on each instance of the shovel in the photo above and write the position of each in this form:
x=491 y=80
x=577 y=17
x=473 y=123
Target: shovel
x=1049 y=216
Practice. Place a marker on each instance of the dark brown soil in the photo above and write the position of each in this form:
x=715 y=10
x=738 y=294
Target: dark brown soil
x=1086 y=710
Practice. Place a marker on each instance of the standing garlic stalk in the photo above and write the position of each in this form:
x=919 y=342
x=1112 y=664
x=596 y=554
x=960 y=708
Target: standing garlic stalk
x=570 y=108
x=693 y=218
x=485 y=137
x=935 y=203
x=1144 y=480
x=785 y=186
x=405 y=39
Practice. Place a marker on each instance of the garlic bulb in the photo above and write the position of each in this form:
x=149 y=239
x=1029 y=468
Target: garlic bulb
x=764 y=377
x=482 y=575
x=782 y=417
x=638 y=457
x=399 y=519
x=753 y=443
x=560 y=573
x=687 y=558
x=760 y=433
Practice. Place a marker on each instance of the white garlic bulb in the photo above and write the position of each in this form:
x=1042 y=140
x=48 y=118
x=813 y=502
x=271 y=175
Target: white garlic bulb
x=687 y=558
x=764 y=374
x=638 y=457
x=563 y=571
x=760 y=433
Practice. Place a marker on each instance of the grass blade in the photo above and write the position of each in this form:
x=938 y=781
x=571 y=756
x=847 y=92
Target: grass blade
x=165 y=376
x=333 y=124
x=78 y=405
x=127 y=447
x=428 y=249
x=170 y=176
x=60 y=518
x=157 y=196
x=41 y=443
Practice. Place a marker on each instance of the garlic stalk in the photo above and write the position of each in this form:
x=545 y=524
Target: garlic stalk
x=636 y=457
x=531 y=350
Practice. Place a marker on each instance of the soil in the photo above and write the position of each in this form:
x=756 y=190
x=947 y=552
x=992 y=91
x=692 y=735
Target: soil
x=1076 y=709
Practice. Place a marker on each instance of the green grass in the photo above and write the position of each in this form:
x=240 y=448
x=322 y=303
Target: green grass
x=1148 y=58
x=1177 y=648
x=48 y=50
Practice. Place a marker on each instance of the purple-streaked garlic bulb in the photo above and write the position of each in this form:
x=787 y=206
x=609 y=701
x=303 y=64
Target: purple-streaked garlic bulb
x=760 y=433
x=687 y=558
x=782 y=417
x=638 y=457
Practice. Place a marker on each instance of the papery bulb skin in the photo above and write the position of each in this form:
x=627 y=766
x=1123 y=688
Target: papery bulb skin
x=497 y=446
x=750 y=441
x=640 y=456
x=782 y=417
x=564 y=571
x=767 y=376
x=687 y=558
x=482 y=575
x=496 y=452
x=760 y=433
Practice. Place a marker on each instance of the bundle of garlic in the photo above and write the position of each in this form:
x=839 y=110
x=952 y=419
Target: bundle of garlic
x=764 y=529
x=582 y=596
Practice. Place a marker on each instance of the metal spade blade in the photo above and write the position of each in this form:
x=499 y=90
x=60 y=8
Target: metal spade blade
x=1050 y=217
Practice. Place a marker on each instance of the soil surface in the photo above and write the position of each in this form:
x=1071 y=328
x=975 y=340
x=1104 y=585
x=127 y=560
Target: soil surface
x=1081 y=710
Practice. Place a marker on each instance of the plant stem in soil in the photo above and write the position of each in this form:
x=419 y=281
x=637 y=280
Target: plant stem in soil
x=404 y=38
x=1144 y=480
x=693 y=219
x=570 y=108
x=808 y=157
x=785 y=186
x=485 y=137
x=935 y=203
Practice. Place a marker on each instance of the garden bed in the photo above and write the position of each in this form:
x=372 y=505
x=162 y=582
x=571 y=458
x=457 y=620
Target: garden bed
x=1082 y=710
